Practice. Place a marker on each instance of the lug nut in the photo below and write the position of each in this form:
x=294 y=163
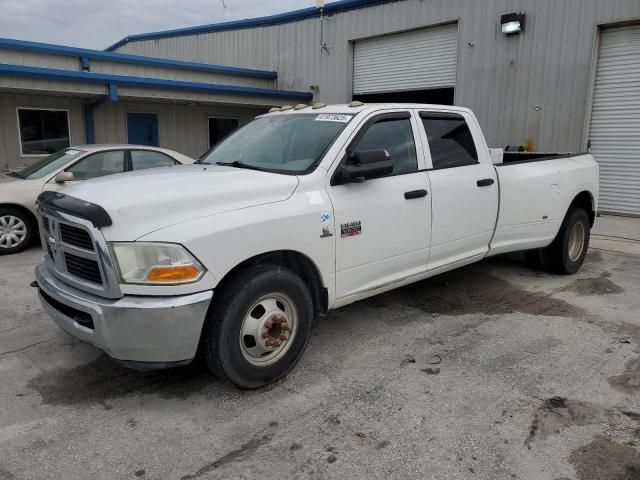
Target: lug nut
x=268 y=324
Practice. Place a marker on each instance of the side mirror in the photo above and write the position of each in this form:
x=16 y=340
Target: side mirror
x=364 y=165
x=64 y=177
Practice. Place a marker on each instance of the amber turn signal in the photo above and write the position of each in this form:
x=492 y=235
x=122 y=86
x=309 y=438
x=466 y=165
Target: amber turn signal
x=173 y=273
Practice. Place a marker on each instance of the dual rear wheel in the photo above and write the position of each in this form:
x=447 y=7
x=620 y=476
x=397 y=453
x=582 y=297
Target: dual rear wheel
x=568 y=250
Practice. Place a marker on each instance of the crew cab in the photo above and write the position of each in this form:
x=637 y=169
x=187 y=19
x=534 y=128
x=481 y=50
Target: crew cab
x=300 y=211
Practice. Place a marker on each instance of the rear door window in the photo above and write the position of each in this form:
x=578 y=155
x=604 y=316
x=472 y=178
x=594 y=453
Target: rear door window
x=143 y=159
x=98 y=165
x=450 y=140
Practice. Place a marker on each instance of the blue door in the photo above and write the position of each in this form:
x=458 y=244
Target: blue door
x=142 y=129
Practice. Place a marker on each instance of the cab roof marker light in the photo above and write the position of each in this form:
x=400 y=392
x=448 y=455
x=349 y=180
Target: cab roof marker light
x=318 y=105
x=285 y=108
x=274 y=109
x=300 y=106
x=355 y=104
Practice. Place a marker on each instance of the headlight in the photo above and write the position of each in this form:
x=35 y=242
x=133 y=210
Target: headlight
x=156 y=263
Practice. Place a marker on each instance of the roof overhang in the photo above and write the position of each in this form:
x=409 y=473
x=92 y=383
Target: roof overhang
x=329 y=9
x=22 y=71
x=84 y=53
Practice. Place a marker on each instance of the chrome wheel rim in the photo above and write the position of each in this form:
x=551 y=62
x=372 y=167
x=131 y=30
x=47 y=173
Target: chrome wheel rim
x=576 y=242
x=13 y=231
x=268 y=329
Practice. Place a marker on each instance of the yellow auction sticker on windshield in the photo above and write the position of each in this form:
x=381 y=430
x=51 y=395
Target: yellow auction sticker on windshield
x=333 y=117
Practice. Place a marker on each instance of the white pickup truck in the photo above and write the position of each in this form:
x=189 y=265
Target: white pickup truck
x=303 y=210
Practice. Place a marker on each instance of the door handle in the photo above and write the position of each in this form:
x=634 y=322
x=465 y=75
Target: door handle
x=485 y=182
x=415 y=194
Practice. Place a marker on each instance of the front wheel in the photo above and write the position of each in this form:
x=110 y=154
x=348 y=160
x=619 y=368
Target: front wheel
x=567 y=252
x=258 y=327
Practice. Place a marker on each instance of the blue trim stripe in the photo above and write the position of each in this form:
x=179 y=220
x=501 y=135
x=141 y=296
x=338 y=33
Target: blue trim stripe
x=145 y=82
x=331 y=8
x=82 y=53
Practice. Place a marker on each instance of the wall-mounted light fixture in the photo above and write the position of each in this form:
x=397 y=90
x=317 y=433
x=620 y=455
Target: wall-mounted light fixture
x=512 y=23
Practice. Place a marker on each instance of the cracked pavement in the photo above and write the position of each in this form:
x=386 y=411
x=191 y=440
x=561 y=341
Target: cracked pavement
x=493 y=371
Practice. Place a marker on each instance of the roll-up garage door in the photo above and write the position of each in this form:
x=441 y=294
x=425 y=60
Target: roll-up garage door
x=416 y=60
x=615 y=120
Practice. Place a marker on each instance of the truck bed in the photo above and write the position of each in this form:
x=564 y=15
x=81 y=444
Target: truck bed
x=511 y=158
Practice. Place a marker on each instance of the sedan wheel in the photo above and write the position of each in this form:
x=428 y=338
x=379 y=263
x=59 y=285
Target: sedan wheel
x=16 y=230
x=13 y=231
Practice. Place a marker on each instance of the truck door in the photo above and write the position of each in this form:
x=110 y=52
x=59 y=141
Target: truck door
x=383 y=224
x=464 y=189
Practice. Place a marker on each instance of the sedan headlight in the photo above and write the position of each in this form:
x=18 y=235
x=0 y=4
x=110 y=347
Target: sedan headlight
x=156 y=263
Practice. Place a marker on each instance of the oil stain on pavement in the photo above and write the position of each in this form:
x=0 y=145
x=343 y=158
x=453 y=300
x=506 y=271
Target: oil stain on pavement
x=605 y=459
x=473 y=290
x=557 y=413
x=102 y=380
x=629 y=381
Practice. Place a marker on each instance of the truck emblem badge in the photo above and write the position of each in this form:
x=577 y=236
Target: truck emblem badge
x=351 y=229
x=52 y=243
x=324 y=218
x=326 y=233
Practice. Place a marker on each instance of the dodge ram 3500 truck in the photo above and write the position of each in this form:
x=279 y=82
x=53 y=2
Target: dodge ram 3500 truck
x=300 y=211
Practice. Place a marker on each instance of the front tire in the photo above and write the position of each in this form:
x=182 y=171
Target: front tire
x=16 y=230
x=258 y=327
x=567 y=252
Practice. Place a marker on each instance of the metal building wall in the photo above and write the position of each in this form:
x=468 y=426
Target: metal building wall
x=533 y=88
x=181 y=127
x=10 y=155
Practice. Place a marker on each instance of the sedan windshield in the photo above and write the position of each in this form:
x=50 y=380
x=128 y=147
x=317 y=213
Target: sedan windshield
x=48 y=164
x=292 y=143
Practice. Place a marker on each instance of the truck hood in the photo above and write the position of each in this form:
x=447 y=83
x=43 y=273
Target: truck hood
x=144 y=201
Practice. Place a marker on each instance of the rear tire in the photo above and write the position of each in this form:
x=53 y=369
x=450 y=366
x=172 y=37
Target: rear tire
x=566 y=253
x=17 y=230
x=258 y=327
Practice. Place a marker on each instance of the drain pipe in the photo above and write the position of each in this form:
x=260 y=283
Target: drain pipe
x=89 y=109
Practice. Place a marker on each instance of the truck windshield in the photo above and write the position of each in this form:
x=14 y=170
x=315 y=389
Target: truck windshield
x=48 y=164
x=291 y=143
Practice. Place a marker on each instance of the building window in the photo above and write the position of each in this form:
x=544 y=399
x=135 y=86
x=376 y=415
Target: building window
x=43 y=132
x=220 y=128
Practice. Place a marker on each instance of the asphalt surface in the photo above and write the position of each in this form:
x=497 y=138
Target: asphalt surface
x=494 y=371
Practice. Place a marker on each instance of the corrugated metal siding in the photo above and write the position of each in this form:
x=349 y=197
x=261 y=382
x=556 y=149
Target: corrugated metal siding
x=181 y=127
x=416 y=60
x=527 y=88
x=615 y=120
x=10 y=155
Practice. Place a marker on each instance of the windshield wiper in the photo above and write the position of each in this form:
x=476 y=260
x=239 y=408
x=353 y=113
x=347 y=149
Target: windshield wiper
x=239 y=164
x=14 y=174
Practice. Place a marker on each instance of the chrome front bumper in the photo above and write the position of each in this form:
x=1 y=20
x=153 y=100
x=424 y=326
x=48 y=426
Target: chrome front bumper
x=142 y=332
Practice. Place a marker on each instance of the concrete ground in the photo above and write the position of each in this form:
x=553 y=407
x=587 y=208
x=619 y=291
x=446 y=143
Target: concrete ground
x=494 y=371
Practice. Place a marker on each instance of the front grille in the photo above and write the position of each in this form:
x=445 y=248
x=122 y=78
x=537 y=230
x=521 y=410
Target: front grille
x=75 y=236
x=83 y=268
x=76 y=315
x=78 y=253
